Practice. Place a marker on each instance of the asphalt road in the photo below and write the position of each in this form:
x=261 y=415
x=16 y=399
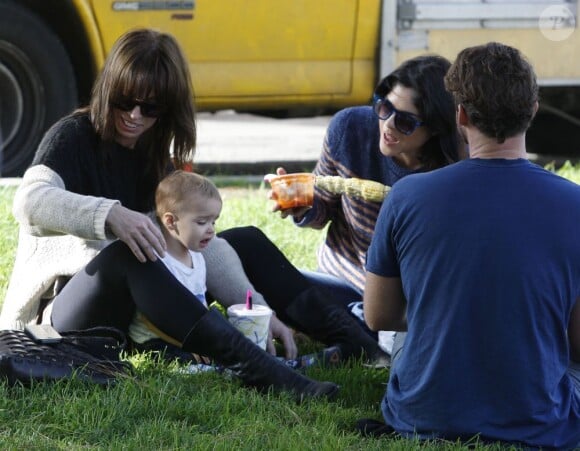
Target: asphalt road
x=230 y=143
x=233 y=143
x=246 y=144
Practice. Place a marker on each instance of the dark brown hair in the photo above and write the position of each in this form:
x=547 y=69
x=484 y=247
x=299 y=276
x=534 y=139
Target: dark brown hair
x=424 y=74
x=497 y=87
x=146 y=64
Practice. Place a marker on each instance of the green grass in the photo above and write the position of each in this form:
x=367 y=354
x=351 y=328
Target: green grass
x=163 y=409
x=8 y=237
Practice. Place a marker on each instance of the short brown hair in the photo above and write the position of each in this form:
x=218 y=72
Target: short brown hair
x=176 y=189
x=496 y=86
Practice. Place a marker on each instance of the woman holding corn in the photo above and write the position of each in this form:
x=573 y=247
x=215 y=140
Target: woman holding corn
x=409 y=128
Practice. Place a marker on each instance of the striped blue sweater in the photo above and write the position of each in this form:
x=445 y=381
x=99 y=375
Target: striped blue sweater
x=351 y=149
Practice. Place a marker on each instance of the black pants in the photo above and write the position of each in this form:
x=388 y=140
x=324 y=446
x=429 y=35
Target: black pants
x=271 y=272
x=280 y=282
x=112 y=285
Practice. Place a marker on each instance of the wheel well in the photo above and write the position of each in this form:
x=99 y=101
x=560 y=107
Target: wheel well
x=564 y=98
x=556 y=128
x=62 y=18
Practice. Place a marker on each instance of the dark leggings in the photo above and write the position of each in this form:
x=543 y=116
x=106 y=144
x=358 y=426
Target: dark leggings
x=109 y=289
x=273 y=275
x=112 y=285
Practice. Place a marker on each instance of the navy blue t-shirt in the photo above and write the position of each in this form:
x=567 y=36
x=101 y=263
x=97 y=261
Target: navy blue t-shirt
x=488 y=252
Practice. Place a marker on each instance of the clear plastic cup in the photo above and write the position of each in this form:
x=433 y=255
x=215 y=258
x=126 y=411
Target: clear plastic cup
x=293 y=190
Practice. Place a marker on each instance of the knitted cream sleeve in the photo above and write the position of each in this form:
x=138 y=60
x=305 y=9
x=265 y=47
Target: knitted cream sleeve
x=226 y=279
x=43 y=207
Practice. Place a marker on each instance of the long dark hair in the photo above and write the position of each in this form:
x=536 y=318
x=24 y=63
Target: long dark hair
x=144 y=63
x=425 y=75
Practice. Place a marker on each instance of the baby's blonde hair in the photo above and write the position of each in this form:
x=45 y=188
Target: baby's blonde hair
x=178 y=187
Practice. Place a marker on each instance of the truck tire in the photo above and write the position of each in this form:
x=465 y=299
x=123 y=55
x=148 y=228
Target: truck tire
x=37 y=85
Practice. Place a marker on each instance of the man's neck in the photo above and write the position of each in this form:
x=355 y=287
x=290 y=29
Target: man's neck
x=481 y=146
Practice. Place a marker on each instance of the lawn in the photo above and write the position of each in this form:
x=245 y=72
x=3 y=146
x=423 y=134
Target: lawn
x=162 y=408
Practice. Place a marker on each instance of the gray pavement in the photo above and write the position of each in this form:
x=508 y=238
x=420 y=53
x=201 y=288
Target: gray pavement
x=230 y=143
x=241 y=144
x=233 y=143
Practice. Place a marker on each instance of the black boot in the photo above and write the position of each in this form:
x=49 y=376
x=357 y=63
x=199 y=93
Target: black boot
x=313 y=314
x=213 y=336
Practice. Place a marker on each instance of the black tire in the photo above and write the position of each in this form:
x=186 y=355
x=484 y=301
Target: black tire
x=554 y=135
x=37 y=85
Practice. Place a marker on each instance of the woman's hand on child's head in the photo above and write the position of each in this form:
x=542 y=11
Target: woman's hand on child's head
x=137 y=231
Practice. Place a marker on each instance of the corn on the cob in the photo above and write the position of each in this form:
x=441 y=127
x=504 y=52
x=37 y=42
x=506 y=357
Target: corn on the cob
x=354 y=187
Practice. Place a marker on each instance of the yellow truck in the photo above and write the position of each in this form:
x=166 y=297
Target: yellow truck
x=271 y=55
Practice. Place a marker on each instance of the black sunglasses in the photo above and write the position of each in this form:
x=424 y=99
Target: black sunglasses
x=147 y=109
x=405 y=122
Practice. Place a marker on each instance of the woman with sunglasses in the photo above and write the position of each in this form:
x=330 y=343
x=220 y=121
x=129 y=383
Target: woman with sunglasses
x=409 y=128
x=88 y=252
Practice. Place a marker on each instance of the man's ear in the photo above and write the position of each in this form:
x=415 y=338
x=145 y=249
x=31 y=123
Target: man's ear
x=536 y=107
x=169 y=221
x=461 y=114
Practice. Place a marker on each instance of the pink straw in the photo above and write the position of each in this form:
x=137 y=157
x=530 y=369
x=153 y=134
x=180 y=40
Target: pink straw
x=249 y=299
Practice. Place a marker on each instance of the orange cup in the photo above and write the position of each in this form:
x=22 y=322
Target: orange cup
x=293 y=190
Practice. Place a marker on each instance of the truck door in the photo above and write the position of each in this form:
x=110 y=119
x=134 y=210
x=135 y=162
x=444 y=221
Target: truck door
x=249 y=50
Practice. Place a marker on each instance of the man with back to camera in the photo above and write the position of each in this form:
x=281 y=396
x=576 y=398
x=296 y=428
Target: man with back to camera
x=480 y=262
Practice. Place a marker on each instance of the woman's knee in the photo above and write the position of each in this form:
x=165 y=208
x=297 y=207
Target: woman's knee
x=249 y=241
x=115 y=256
x=243 y=233
x=116 y=250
